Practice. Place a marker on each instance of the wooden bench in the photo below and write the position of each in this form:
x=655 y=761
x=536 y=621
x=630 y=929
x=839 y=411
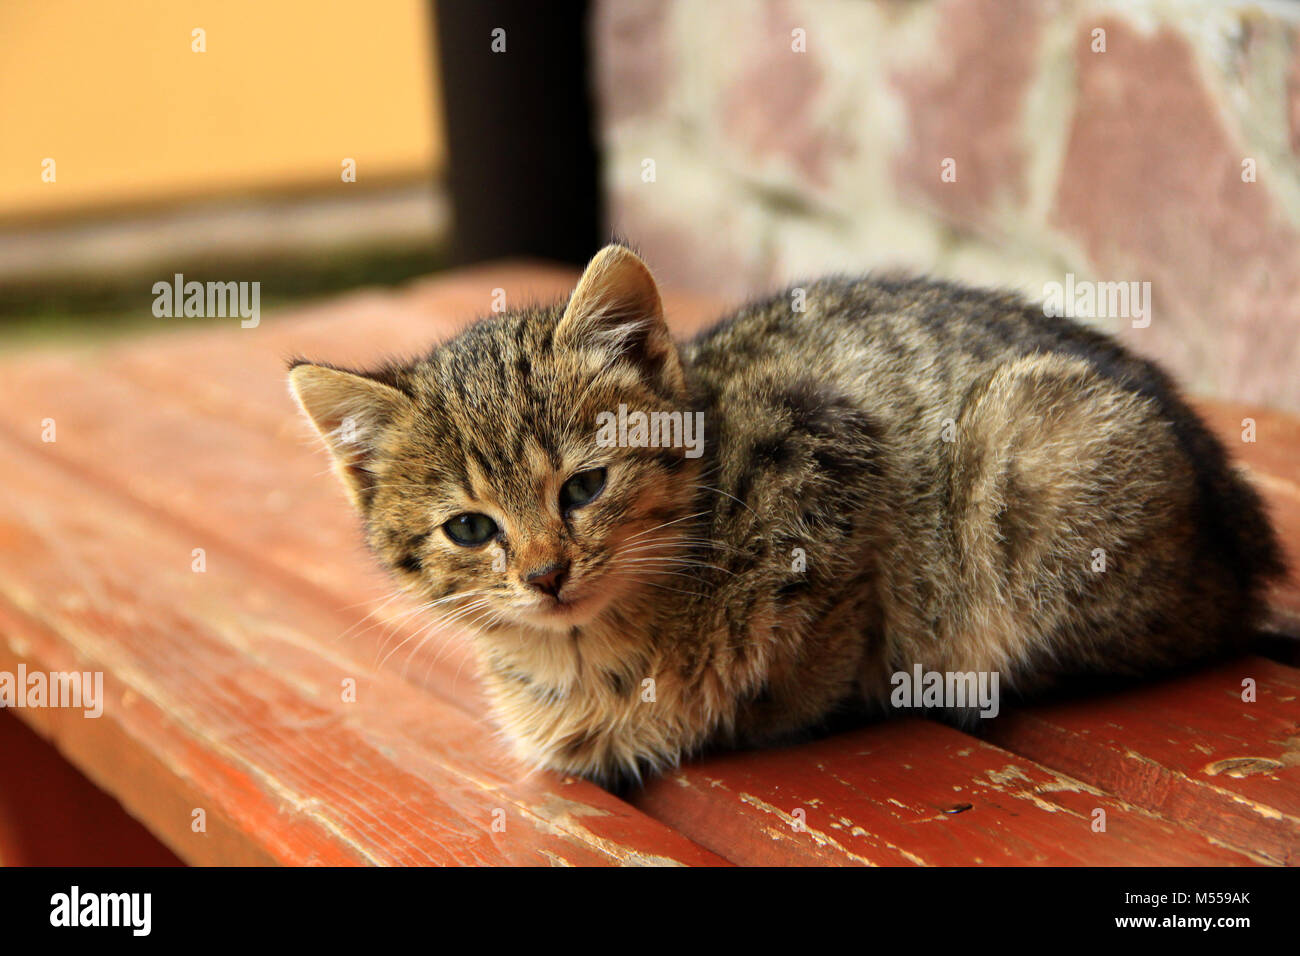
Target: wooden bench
x=225 y=686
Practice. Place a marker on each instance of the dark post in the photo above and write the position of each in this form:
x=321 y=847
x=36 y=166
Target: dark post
x=522 y=170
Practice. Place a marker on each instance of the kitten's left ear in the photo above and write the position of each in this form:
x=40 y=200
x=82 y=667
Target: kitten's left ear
x=616 y=307
x=350 y=412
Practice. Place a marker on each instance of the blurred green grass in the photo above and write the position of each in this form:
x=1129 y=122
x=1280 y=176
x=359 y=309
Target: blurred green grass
x=94 y=309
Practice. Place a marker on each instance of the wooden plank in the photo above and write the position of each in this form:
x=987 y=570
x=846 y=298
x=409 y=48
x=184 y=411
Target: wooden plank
x=270 y=502
x=221 y=696
x=911 y=792
x=1187 y=748
x=158 y=775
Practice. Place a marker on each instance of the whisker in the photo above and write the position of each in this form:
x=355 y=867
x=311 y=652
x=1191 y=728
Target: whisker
x=731 y=496
x=440 y=623
x=682 y=562
x=666 y=524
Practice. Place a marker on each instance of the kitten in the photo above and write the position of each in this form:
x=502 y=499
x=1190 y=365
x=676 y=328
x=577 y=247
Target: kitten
x=907 y=472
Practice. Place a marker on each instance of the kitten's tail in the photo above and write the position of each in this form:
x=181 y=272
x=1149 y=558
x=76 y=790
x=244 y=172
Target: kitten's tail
x=1236 y=523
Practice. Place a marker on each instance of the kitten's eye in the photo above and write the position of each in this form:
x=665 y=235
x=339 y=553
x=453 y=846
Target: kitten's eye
x=468 y=530
x=581 y=489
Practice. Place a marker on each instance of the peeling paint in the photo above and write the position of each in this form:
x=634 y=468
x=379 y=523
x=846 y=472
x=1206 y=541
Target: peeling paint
x=819 y=837
x=558 y=816
x=1242 y=766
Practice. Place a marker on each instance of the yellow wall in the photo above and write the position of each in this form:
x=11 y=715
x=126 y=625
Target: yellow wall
x=111 y=90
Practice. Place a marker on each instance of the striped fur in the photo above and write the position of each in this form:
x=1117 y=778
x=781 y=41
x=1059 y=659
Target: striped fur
x=907 y=472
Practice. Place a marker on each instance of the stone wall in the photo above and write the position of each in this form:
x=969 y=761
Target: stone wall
x=1002 y=142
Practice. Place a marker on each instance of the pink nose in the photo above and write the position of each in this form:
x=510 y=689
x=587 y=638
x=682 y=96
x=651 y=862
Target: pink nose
x=549 y=579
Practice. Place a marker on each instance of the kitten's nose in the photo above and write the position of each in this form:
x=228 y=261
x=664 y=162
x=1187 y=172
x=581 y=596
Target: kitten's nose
x=549 y=579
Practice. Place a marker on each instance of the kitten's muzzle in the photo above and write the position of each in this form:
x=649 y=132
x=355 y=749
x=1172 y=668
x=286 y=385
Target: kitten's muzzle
x=550 y=579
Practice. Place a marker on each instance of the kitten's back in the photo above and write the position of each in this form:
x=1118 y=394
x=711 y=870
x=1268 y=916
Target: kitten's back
x=911 y=355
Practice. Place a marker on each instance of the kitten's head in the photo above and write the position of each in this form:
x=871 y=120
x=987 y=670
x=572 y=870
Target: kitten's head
x=478 y=472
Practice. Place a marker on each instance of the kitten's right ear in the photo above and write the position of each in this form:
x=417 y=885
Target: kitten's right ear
x=349 y=412
x=616 y=308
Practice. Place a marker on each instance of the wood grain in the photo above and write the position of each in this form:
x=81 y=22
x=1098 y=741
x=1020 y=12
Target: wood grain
x=221 y=696
x=1189 y=749
x=912 y=792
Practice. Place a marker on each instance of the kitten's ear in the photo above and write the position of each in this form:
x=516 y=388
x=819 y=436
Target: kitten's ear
x=349 y=411
x=616 y=307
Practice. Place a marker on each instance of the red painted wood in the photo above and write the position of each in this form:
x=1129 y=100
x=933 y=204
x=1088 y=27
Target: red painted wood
x=912 y=792
x=221 y=696
x=272 y=502
x=1188 y=748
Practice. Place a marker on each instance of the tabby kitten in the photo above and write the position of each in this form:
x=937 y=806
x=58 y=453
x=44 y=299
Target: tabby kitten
x=906 y=472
